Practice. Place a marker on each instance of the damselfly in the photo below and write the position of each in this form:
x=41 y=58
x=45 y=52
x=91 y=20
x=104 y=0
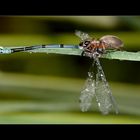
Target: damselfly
x=96 y=84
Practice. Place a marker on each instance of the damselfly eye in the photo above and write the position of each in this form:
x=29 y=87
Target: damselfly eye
x=86 y=42
x=81 y=44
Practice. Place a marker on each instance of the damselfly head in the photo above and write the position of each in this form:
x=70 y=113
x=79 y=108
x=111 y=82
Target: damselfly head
x=84 y=43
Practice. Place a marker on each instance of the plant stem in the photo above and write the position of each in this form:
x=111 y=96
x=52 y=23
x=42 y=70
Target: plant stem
x=120 y=55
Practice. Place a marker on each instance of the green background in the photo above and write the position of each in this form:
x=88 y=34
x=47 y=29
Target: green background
x=45 y=88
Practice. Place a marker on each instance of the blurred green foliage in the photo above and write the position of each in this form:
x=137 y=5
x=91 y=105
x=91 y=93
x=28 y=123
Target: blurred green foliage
x=45 y=88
